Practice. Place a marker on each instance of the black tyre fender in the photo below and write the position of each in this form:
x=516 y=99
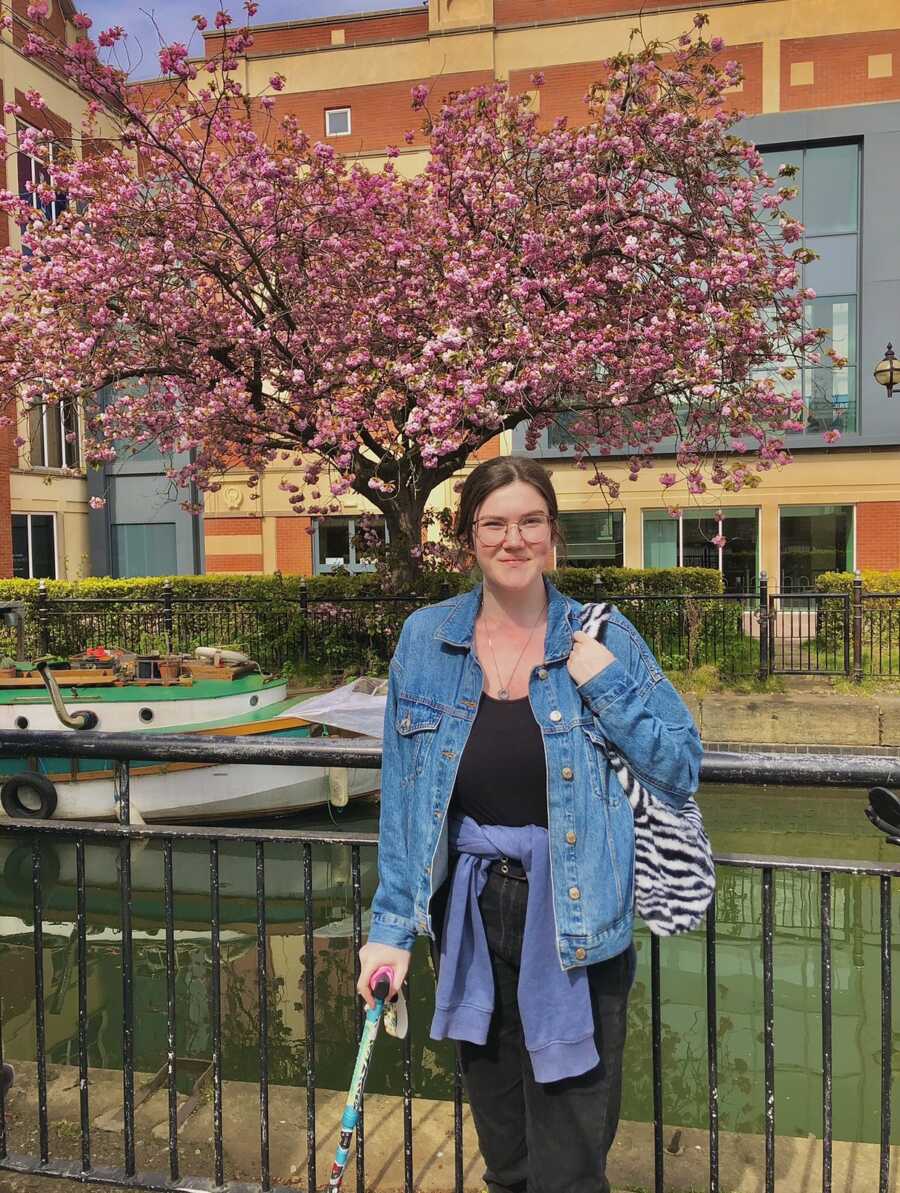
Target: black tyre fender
x=42 y=788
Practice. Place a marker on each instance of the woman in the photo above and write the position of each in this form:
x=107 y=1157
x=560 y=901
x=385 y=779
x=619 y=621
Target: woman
x=506 y=837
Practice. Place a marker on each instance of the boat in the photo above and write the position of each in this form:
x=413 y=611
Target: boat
x=212 y=692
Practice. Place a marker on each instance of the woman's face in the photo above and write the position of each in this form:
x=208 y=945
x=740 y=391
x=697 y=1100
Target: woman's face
x=506 y=559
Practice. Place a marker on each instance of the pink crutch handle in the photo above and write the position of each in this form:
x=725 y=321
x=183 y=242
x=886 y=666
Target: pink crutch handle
x=381 y=981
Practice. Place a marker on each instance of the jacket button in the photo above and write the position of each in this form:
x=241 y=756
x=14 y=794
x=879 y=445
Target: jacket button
x=580 y=954
x=542 y=673
x=568 y=773
x=570 y=838
x=574 y=892
x=556 y=715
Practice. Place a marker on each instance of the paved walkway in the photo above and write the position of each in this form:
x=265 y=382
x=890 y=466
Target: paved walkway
x=742 y=1157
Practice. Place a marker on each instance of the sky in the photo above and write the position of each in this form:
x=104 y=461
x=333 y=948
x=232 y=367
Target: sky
x=173 y=17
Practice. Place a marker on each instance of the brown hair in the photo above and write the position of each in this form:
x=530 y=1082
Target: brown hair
x=495 y=474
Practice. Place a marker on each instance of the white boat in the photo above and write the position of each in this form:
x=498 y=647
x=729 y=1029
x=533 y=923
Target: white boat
x=243 y=702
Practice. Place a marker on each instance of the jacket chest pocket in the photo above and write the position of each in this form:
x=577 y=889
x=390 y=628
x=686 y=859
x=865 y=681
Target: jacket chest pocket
x=416 y=726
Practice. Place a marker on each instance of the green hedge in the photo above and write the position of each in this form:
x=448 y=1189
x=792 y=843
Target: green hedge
x=880 y=621
x=261 y=614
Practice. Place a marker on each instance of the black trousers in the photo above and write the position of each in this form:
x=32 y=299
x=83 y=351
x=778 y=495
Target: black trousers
x=552 y=1137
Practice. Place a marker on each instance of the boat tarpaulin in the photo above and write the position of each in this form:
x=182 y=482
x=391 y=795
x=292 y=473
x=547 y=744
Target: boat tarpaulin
x=357 y=707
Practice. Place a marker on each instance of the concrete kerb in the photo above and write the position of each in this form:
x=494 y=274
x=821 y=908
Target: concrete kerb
x=798 y=1161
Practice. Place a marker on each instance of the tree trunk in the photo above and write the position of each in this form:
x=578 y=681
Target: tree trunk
x=403 y=519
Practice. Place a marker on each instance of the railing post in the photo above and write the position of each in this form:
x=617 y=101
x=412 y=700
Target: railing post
x=857 y=627
x=168 y=613
x=598 y=588
x=445 y=589
x=304 y=610
x=763 y=626
x=43 y=619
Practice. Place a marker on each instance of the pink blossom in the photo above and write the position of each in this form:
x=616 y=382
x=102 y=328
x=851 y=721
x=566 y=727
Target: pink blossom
x=368 y=330
x=97 y=503
x=718 y=540
x=277 y=82
x=200 y=22
x=81 y=20
x=38 y=10
x=109 y=37
x=831 y=436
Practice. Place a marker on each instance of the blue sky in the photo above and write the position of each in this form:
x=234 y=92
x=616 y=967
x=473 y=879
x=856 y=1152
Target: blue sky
x=174 y=20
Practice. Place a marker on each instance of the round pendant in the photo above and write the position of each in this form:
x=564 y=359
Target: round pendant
x=503 y=694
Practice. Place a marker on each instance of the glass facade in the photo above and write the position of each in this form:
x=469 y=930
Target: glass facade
x=828 y=206
x=686 y=541
x=144 y=549
x=592 y=539
x=34 y=546
x=814 y=539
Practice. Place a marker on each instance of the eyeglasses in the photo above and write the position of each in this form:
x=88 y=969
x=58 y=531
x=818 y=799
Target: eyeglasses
x=491 y=532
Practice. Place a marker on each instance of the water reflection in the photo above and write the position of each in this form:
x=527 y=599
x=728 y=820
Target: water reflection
x=794 y=823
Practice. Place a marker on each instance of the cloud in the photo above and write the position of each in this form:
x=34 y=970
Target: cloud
x=170 y=20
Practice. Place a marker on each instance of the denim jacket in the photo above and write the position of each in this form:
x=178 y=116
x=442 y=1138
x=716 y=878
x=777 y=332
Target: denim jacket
x=434 y=692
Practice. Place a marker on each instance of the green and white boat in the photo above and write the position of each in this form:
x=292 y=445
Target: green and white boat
x=212 y=694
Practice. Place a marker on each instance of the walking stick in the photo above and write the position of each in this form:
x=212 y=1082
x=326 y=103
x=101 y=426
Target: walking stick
x=380 y=985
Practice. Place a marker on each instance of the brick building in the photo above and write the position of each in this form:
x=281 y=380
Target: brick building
x=828 y=101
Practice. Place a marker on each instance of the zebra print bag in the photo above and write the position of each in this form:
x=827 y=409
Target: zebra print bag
x=674 y=875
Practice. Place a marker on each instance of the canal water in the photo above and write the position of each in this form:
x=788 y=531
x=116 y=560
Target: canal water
x=785 y=822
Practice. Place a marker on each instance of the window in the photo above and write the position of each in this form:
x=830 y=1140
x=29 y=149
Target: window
x=814 y=539
x=144 y=549
x=592 y=539
x=34 y=546
x=53 y=434
x=335 y=547
x=686 y=541
x=828 y=206
x=337 y=122
x=33 y=174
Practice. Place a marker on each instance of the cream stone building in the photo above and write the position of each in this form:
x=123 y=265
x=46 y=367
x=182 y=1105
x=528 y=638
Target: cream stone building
x=43 y=493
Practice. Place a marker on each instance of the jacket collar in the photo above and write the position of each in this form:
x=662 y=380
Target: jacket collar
x=458 y=627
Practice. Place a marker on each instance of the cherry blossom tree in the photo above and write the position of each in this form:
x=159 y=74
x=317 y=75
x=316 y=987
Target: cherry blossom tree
x=229 y=288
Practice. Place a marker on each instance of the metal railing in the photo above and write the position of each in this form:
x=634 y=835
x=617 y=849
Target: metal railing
x=824 y=770
x=854 y=634
x=357 y=631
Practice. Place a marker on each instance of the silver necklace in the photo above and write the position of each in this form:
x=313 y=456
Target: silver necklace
x=503 y=693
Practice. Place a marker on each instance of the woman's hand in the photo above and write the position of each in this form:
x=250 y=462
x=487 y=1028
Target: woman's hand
x=374 y=956
x=587 y=658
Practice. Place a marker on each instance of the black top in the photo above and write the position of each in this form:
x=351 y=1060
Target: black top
x=502 y=775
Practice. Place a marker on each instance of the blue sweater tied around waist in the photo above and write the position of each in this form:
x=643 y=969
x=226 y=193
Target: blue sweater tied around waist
x=554 y=1004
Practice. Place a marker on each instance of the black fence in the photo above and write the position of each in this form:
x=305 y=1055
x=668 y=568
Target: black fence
x=124 y=837
x=854 y=634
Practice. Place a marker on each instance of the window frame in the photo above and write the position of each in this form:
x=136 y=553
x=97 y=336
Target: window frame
x=571 y=561
x=36 y=167
x=28 y=515
x=719 y=515
x=352 y=565
x=333 y=111
x=65 y=447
